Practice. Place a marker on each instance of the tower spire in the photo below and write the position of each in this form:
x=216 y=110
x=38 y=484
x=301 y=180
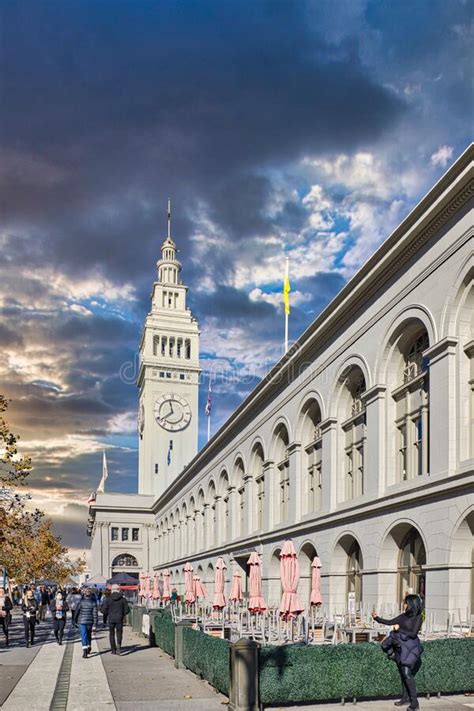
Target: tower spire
x=169 y=218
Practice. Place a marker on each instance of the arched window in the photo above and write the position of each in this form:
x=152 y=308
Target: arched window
x=411 y=562
x=412 y=408
x=282 y=465
x=354 y=433
x=354 y=573
x=312 y=459
x=259 y=477
x=125 y=560
x=240 y=484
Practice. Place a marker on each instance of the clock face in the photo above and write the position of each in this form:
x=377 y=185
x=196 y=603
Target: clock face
x=172 y=412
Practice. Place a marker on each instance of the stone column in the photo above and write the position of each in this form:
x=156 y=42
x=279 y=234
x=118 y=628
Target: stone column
x=179 y=642
x=375 y=446
x=294 y=504
x=268 y=504
x=442 y=427
x=329 y=464
x=244 y=692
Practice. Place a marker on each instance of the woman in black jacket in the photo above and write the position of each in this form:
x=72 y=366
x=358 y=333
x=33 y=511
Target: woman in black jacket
x=30 y=611
x=6 y=606
x=59 y=608
x=405 y=648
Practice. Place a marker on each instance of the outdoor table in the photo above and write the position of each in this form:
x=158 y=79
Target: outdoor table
x=352 y=632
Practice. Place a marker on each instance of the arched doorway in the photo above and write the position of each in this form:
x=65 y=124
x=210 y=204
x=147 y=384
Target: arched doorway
x=347 y=570
x=125 y=563
x=411 y=566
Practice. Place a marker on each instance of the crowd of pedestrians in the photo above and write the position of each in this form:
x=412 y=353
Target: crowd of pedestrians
x=40 y=604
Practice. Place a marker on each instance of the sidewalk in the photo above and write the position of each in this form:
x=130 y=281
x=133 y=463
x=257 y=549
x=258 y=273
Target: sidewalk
x=445 y=703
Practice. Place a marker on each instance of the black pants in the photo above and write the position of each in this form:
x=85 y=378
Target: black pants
x=115 y=632
x=29 y=624
x=104 y=617
x=408 y=684
x=58 y=627
x=5 y=622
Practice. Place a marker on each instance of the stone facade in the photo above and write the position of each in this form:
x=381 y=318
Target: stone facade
x=358 y=445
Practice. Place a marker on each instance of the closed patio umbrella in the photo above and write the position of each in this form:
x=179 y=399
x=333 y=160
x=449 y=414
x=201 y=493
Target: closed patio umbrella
x=190 y=596
x=236 y=589
x=141 y=589
x=146 y=587
x=219 y=582
x=166 y=586
x=199 y=589
x=156 y=587
x=256 y=601
x=316 y=598
x=290 y=605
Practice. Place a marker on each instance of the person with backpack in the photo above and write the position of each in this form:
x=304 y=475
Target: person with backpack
x=115 y=608
x=85 y=616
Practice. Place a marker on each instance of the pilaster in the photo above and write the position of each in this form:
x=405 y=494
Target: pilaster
x=375 y=445
x=328 y=429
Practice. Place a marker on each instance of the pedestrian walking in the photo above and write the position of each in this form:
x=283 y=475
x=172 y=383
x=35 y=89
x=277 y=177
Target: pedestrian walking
x=6 y=606
x=45 y=600
x=30 y=612
x=116 y=608
x=404 y=647
x=59 y=608
x=85 y=615
x=73 y=599
x=104 y=607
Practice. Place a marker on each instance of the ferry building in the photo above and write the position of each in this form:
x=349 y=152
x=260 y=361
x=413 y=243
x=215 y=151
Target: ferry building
x=358 y=444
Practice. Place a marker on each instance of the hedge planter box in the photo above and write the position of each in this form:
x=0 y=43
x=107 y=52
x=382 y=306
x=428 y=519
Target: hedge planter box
x=208 y=657
x=298 y=673
x=163 y=627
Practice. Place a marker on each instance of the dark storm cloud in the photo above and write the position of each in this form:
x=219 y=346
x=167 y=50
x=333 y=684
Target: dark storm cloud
x=115 y=110
x=230 y=304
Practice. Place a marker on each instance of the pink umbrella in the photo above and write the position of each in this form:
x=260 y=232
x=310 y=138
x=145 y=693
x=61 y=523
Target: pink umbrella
x=219 y=582
x=316 y=598
x=256 y=601
x=190 y=597
x=290 y=574
x=166 y=586
x=236 y=589
x=141 y=591
x=156 y=589
x=146 y=587
x=199 y=589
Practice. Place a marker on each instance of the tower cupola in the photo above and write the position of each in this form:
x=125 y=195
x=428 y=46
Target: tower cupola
x=169 y=267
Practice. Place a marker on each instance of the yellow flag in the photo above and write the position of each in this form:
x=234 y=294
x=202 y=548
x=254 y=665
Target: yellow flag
x=286 y=290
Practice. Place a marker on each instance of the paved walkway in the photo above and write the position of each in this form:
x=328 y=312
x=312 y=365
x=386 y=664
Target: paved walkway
x=47 y=677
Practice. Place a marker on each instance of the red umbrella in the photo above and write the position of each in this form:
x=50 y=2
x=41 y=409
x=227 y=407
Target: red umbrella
x=316 y=598
x=256 y=601
x=219 y=582
x=198 y=587
x=166 y=586
x=236 y=589
x=290 y=574
x=156 y=589
x=190 y=597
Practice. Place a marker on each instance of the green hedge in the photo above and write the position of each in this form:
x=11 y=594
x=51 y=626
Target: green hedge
x=208 y=657
x=298 y=673
x=163 y=627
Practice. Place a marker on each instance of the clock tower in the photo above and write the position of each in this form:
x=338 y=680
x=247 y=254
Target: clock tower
x=168 y=379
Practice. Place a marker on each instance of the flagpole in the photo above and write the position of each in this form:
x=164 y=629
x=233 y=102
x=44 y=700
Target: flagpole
x=209 y=427
x=286 y=310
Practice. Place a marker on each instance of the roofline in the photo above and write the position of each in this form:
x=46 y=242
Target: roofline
x=456 y=185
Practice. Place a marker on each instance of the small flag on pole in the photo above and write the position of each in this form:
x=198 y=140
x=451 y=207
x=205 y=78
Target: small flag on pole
x=287 y=289
x=286 y=299
x=170 y=449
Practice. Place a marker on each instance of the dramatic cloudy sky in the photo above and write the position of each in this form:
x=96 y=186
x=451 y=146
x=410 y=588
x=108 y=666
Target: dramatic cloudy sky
x=305 y=128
